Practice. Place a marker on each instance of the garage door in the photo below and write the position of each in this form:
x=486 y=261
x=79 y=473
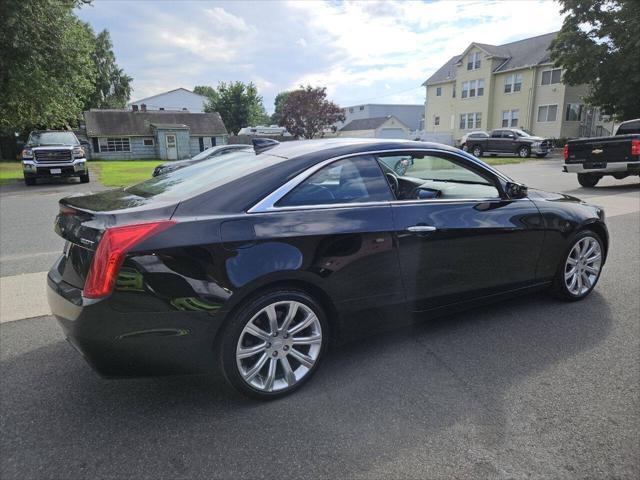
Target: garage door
x=392 y=133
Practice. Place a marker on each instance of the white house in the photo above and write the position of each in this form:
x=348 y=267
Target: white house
x=178 y=99
x=379 y=127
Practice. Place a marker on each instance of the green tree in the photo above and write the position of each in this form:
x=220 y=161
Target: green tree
x=307 y=112
x=46 y=70
x=238 y=104
x=112 y=86
x=278 y=103
x=599 y=45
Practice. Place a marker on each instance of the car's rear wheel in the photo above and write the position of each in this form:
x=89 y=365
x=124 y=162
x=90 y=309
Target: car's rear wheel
x=580 y=267
x=588 y=180
x=477 y=151
x=274 y=344
x=524 y=152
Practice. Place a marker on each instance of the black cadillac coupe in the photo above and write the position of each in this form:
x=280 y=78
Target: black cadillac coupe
x=252 y=263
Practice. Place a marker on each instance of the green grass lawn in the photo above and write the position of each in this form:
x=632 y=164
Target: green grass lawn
x=10 y=171
x=505 y=160
x=109 y=173
x=121 y=173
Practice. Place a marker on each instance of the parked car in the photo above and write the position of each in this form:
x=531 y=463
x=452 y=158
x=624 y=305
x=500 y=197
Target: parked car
x=53 y=154
x=471 y=135
x=510 y=141
x=594 y=158
x=252 y=264
x=204 y=155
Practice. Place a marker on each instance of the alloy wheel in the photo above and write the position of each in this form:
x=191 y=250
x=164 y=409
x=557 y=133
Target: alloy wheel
x=583 y=265
x=279 y=346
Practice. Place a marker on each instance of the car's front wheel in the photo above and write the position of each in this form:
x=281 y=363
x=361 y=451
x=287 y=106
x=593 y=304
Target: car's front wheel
x=580 y=267
x=274 y=343
x=524 y=152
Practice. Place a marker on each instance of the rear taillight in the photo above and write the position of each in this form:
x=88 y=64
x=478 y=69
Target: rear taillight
x=566 y=152
x=108 y=258
x=635 y=147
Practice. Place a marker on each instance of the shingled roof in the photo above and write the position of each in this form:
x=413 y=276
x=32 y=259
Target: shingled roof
x=368 y=123
x=100 y=123
x=520 y=54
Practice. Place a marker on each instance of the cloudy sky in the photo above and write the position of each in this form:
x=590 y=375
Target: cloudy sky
x=362 y=51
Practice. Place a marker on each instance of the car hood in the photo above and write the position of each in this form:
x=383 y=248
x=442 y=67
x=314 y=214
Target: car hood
x=533 y=139
x=536 y=194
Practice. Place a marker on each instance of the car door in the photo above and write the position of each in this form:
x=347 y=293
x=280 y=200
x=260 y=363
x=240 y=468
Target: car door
x=494 y=143
x=459 y=236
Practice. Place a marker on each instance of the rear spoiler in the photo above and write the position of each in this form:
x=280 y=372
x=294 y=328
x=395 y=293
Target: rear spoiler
x=263 y=144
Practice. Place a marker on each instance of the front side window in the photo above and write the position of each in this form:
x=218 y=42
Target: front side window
x=550 y=77
x=114 y=144
x=426 y=177
x=352 y=180
x=573 y=113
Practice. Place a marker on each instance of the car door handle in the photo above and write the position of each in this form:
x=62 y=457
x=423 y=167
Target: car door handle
x=421 y=228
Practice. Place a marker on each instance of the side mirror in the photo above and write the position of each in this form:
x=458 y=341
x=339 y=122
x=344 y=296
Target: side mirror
x=423 y=193
x=516 y=190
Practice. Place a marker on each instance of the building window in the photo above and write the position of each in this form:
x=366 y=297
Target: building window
x=351 y=110
x=547 y=113
x=453 y=92
x=114 y=144
x=513 y=83
x=473 y=88
x=438 y=91
x=361 y=107
x=469 y=121
x=510 y=118
x=474 y=61
x=550 y=77
x=161 y=108
x=148 y=142
x=573 y=113
x=436 y=121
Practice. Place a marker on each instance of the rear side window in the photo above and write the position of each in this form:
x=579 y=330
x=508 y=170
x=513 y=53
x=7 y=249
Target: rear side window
x=352 y=180
x=629 y=128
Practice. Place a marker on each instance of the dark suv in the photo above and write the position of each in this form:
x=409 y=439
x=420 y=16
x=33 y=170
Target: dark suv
x=53 y=154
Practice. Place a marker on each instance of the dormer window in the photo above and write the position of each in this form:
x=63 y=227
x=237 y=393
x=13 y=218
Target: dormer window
x=474 y=61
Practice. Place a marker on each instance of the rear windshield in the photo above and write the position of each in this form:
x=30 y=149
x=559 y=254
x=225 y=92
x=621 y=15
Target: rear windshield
x=52 y=138
x=203 y=176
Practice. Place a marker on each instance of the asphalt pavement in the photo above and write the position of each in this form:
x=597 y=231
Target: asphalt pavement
x=528 y=388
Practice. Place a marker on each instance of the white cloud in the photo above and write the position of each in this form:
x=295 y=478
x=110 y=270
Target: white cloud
x=373 y=50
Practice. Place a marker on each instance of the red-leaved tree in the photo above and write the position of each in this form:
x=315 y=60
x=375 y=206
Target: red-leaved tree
x=307 y=112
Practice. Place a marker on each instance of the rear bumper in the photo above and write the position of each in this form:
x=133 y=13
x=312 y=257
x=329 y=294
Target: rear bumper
x=128 y=344
x=615 y=167
x=33 y=169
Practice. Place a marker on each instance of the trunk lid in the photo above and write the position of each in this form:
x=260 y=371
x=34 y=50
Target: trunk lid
x=83 y=219
x=602 y=149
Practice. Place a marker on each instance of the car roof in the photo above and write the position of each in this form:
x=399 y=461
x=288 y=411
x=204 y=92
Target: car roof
x=344 y=146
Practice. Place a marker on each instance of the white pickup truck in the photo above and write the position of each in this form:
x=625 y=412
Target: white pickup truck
x=53 y=154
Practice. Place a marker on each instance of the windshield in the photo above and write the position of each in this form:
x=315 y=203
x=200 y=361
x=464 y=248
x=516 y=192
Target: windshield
x=52 y=138
x=520 y=133
x=203 y=175
x=219 y=150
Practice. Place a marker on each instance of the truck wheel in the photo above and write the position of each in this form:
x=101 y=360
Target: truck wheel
x=524 y=152
x=588 y=180
x=84 y=178
x=477 y=151
x=29 y=181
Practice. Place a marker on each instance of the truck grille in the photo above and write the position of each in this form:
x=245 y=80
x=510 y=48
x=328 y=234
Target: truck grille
x=546 y=144
x=53 y=156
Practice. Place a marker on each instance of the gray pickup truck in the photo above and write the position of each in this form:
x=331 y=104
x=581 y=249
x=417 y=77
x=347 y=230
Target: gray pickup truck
x=593 y=158
x=53 y=154
x=509 y=141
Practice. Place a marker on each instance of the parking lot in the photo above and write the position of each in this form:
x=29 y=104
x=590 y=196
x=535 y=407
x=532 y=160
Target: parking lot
x=530 y=387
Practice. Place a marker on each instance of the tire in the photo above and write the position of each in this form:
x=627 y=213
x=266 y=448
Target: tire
x=280 y=371
x=587 y=250
x=476 y=151
x=588 y=180
x=84 y=178
x=29 y=181
x=524 y=152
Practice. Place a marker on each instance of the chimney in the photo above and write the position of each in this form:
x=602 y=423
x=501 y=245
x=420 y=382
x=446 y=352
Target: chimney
x=134 y=108
x=143 y=107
